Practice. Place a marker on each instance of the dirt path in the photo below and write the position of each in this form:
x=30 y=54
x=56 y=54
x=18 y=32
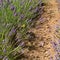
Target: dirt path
x=46 y=33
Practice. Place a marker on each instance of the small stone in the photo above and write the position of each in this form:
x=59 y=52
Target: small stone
x=41 y=44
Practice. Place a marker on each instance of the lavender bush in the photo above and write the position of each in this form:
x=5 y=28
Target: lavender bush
x=15 y=16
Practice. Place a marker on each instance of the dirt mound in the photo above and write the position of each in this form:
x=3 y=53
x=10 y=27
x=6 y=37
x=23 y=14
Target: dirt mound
x=45 y=32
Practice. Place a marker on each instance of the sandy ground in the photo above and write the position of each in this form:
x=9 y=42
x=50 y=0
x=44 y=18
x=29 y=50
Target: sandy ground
x=46 y=33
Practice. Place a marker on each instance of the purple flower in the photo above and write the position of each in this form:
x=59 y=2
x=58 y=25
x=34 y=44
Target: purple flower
x=4 y=50
x=12 y=32
x=21 y=16
x=15 y=14
x=29 y=21
x=30 y=8
x=22 y=44
x=12 y=7
x=36 y=10
x=55 y=45
x=1 y=1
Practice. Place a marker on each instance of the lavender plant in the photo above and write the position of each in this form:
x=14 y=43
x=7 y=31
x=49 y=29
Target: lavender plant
x=15 y=16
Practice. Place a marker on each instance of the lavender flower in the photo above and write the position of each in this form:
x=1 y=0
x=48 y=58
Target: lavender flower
x=54 y=44
x=15 y=14
x=12 y=32
x=4 y=50
x=36 y=10
x=29 y=21
x=12 y=7
x=1 y=1
x=30 y=8
x=22 y=44
x=21 y=16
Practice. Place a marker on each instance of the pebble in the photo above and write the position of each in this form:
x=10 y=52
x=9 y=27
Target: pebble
x=41 y=44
